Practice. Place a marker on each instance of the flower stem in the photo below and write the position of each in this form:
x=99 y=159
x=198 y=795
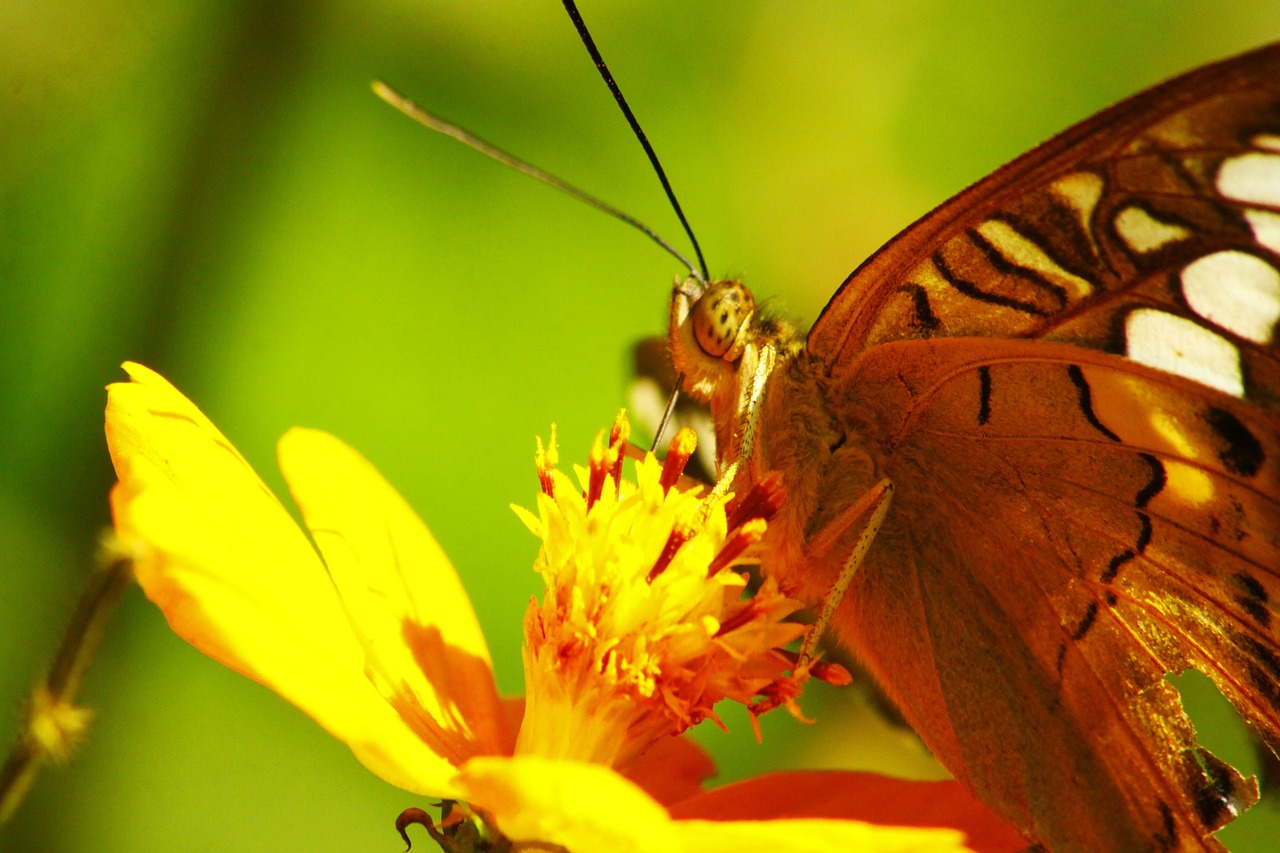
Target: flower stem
x=52 y=723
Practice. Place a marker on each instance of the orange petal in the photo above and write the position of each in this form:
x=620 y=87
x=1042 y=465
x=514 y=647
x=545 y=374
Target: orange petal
x=236 y=577
x=672 y=770
x=424 y=647
x=856 y=796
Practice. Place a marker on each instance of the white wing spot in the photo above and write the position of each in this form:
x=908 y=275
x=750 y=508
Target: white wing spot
x=1179 y=346
x=1266 y=227
x=1252 y=178
x=1021 y=250
x=1082 y=191
x=1236 y=291
x=1266 y=141
x=1144 y=233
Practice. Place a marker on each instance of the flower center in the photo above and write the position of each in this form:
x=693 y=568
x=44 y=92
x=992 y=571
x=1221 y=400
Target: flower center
x=644 y=627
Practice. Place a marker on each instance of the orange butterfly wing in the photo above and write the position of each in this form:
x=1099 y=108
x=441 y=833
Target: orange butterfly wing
x=1041 y=573
x=1070 y=373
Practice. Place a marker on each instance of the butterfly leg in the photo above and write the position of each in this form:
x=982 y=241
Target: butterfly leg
x=874 y=506
x=750 y=397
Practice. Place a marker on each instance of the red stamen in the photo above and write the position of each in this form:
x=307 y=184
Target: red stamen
x=546 y=459
x=598 y=470
x=619 y=435
x=679 y=535
x=744 y=616
x=678 y=453
x=620 y=431
x=784 y=691
x=825 y=671
x=737 y=542
x=762 y=501
x=832 y=673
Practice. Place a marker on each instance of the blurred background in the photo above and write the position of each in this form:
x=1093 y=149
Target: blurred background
x=211 y=188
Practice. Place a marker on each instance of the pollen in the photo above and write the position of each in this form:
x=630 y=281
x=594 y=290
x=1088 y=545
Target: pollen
x=644 y=627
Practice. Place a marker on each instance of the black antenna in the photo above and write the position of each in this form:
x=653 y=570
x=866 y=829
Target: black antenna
x=441 y=125
x=589 y=43
x=667 y=413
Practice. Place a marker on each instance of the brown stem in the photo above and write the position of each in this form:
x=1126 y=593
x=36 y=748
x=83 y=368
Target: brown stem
x=52 y=721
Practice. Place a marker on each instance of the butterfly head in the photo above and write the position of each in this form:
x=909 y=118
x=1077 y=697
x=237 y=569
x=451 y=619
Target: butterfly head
x=710 y=327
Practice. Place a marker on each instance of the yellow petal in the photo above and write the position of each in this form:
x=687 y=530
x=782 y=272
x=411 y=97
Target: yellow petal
x=582 y=807
x=425 y=650
x=588 y=808
x=812 y=836
x=236 y=577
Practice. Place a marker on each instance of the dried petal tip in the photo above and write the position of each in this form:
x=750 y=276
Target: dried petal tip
x=409 y=817
x=678 y=452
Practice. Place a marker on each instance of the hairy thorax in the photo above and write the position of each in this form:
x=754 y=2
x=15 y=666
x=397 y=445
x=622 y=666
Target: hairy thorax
x=826 y=469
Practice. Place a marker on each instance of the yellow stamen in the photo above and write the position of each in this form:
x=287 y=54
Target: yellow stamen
x=641 y=630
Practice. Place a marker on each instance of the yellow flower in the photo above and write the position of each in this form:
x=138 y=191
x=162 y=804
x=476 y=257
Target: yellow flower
x=643 y=629
x=640 y=631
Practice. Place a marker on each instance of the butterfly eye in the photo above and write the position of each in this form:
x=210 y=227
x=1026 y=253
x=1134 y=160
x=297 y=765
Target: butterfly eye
x=720 y=316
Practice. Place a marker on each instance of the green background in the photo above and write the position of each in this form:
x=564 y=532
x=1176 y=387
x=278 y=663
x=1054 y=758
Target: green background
x=210 y=188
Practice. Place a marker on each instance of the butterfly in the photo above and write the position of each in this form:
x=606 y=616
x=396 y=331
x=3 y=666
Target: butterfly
x=1038 y=434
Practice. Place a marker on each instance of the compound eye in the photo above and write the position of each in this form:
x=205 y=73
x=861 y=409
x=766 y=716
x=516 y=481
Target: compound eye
x=719 y=315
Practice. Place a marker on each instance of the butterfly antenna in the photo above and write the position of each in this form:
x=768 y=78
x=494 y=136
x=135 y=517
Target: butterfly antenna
x=589 y=43
x=441 y=125
x=667 y=413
